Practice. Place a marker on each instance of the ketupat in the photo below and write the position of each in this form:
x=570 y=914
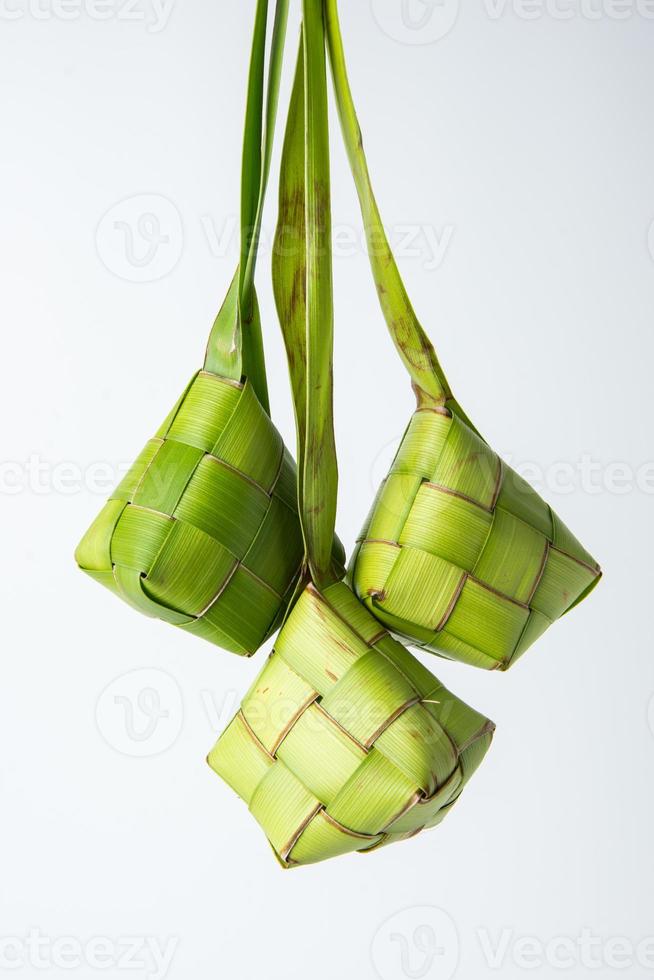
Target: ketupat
x=459 y=554
x=345 y=742
x=203 y=532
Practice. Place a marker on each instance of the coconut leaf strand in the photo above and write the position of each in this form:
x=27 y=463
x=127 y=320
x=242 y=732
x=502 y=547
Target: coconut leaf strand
x=289 y=265
x=344 y=742
x=235 y=348
x=303 y=291
x=459 y=554
x=320 y=472
x=260 y=141
x=411 y=341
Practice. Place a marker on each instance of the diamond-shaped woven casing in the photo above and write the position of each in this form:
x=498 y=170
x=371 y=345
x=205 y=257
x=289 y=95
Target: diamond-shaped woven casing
x=203 y=532
x=345 y=742
x=460 y=555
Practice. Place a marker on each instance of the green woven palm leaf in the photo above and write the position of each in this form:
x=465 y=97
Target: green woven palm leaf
x=203 y=532
x=459 y=554
x=345 y=742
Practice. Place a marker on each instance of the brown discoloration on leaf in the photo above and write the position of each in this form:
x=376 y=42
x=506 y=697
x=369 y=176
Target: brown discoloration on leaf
x=470 y=459
x=322 y=206
x=298 y=298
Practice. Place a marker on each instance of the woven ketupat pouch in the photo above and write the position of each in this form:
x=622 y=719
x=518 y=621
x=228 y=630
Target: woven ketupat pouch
x=203 y=531
x=461 y=555
x=345 y=742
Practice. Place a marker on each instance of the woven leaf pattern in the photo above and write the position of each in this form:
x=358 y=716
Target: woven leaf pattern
x=345 y=742
x=203 y=531
x=460 y=555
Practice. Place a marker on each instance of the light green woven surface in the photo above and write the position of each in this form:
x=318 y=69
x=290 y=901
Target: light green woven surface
x=345 y=742
x=461 y=555
x=203 y=531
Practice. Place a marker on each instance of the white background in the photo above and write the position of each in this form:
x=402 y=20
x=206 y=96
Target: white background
x=522 y=140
